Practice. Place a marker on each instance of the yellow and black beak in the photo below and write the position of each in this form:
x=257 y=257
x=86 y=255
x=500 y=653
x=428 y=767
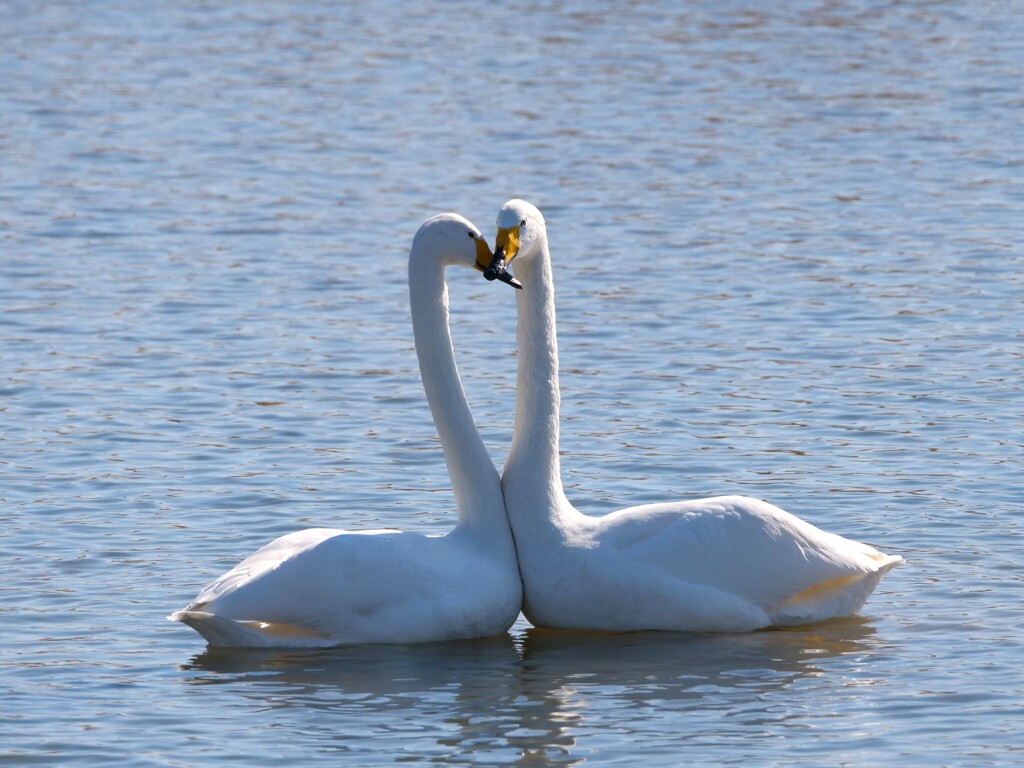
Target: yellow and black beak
x=506 y=246
x=483 y=255
x=506 y=243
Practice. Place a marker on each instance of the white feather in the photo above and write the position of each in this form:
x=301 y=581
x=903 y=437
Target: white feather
x=721 y=564
x=324 y=587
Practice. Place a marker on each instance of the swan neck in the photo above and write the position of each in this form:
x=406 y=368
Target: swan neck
x=474 y=479
x=533 y=458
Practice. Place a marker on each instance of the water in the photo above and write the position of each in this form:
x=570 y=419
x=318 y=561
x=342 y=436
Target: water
x=787 y=250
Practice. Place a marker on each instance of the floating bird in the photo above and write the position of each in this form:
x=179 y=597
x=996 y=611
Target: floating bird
x=724 y=564
x=324 y=587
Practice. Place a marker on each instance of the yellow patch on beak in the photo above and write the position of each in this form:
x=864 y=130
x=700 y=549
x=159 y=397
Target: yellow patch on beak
x=483 y=254
x=507 y=242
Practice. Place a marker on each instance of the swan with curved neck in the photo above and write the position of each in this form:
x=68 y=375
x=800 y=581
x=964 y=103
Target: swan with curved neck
x=728 y=563
x=324 y=587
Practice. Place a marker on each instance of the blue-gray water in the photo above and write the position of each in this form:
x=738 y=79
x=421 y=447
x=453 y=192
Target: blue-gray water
x=787 y=243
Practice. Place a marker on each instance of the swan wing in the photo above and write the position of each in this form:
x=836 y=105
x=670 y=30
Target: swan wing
x=322 y=579
x=264 y=560
x=750 y=550
x=358 y=587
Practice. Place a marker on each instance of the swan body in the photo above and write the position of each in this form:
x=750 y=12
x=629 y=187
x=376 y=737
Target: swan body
x=324 y=587
x=724 y=564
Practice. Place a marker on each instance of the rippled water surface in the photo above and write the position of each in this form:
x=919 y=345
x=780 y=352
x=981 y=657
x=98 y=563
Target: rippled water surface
x=787 y=243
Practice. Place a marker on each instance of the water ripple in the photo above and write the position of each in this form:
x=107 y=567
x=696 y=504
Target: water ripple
x=786 y=243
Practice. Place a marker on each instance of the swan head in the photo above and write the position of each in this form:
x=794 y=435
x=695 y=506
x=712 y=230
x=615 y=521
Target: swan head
x=521 y=234
x=454 y=240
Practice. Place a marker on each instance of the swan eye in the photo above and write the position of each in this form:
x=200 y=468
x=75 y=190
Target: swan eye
x=522 y=223
x=470 y=235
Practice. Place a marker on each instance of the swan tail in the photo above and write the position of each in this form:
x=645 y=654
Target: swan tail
x=833 y=598
x=223 y=632
x=885 y=562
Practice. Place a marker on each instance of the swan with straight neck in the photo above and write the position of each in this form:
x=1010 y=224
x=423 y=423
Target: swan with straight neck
x=722 y=564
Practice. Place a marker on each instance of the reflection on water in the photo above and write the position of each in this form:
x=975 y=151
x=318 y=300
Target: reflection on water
x=457 y=695
x=537 y=694
x=682 y=662
x=377 y=670
x=609 y=691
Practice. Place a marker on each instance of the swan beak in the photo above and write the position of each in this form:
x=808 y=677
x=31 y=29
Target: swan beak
x=506 y=247
x=484 y=259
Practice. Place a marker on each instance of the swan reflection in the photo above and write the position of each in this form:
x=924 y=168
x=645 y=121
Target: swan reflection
x=379 y=670
x=436 y=700
x=590 y=691
x=541 y=697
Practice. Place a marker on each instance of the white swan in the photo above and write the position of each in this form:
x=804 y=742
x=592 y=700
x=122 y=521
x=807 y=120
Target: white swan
x=722 y=564
x=324 y=587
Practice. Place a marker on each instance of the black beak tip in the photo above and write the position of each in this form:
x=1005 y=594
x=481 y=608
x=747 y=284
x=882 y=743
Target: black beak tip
x=496 y=268
x=497 y=271
x=505 y=277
